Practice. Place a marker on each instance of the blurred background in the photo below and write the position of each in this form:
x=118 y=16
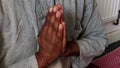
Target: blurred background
x=110 y=13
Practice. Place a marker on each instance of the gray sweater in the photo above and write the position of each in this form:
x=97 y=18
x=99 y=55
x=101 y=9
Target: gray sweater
x=21 y=21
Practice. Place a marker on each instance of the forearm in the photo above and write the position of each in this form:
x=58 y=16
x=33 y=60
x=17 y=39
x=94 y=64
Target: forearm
x=72 y=49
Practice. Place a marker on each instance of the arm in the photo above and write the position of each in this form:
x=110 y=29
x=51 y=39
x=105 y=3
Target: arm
x=92 y=42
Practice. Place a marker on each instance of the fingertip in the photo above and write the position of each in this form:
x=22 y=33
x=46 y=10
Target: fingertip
x=54 y=9
x=60 y=26
x=63 y=23
x=51 y=9
x=59 y=6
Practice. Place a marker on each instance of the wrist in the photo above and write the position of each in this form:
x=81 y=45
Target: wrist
x=72 y=49
x=42 y=60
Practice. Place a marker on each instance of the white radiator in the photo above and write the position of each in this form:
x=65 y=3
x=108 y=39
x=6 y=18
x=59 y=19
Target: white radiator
x=108 y=9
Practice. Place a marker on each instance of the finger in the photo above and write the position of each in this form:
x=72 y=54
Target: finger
x=50 y=12
x=42 y=33
x=64 y=30
x=58 y=20
x=49 y=30
x=54 y=19
x=54 y=34
x=55 y=12
x=44 y=28
x=62 y=15
x=64 y=36
x=51 y=16
x=51 y=9
x=57 y=8
x=60 y=32
x=55 y=25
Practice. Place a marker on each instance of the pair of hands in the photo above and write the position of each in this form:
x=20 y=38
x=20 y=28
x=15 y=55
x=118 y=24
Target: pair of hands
x=52 y=37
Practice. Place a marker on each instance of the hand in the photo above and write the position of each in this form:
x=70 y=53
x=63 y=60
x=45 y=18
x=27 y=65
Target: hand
x=71 y=49
x=51 y=37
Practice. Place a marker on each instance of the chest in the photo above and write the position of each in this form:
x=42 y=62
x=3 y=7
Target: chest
x=73 y=12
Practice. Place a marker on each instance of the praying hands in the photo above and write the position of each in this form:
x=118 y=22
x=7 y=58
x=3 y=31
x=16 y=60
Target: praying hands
x=52 y=39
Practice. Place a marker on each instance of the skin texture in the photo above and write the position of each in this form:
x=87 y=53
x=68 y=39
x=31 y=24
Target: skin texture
x=52 y=39
x=71 y=49
x=51 y=34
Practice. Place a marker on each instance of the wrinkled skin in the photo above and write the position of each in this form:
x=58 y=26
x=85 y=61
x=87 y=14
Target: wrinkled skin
x=52 y=37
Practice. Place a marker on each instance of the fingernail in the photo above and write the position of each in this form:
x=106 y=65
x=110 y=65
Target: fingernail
x=50 y=10
x=60 y=26
x=58 y=14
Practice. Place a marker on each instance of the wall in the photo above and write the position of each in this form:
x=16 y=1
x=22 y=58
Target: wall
x=109 y=11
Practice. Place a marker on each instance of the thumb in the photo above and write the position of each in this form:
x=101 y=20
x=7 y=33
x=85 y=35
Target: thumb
x=60 y=32
x=64 y=37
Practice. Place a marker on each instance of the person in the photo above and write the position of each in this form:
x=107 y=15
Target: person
x=37 y=33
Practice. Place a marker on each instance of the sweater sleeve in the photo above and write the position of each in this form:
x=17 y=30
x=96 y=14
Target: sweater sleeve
x=30 y=62
x=93 y=41
x=18 y=40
